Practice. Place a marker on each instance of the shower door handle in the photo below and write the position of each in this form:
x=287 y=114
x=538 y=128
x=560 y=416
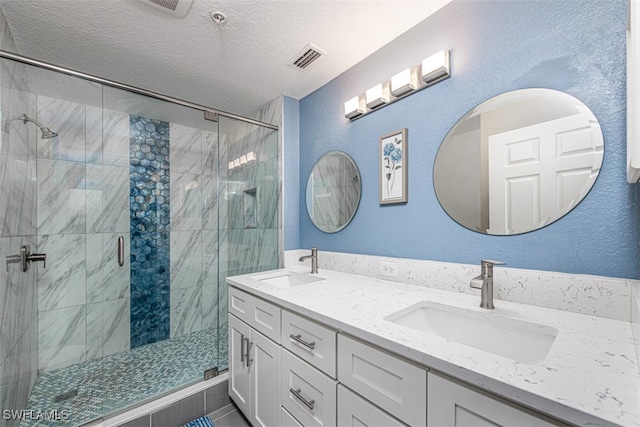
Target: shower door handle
x=37 y=258
x=120 y=251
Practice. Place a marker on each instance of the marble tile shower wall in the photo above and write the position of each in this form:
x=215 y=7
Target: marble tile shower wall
x=18 y=298
x=194 y=225
x=83 y=194
x=83 y=207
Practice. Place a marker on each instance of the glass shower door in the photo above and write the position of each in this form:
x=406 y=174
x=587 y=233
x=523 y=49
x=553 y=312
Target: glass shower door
x=18 y=228
x=143 y=208
x=248 y=196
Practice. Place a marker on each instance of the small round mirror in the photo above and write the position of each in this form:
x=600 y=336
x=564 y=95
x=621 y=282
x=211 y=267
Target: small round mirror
x=333 y=191
x=518 y=162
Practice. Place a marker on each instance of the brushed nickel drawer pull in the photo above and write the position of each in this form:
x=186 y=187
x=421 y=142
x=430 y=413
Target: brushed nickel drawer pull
x=249 y=359
x=298 y=338
x=242 y=341
x=309 y=404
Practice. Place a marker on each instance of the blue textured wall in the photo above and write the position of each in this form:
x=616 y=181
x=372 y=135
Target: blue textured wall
x=496 y=46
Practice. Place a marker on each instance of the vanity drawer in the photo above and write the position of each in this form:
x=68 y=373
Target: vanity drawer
x=265 y=317
x=239 y=304
x=393 y=384
x=308 y=394
x=310 y=341
x=353 y=410
x=259 y=314
x=287 y=419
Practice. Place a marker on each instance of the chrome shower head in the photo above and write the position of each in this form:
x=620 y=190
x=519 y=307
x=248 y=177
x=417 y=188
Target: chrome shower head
x=46 y=132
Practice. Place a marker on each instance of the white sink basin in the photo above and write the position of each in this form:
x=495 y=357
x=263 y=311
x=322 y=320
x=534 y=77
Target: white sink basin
x=514 y=339
x=288 y=279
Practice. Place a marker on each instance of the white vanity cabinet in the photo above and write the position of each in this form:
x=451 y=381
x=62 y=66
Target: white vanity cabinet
x=254 y=359
x=285 y=369
x=455 y=404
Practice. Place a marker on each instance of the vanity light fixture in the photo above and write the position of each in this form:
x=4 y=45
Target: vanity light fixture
x=435 y=67
x=432 y=70
x=354 y=108
x=404 y=82
x=378 y=95
x=242 y=160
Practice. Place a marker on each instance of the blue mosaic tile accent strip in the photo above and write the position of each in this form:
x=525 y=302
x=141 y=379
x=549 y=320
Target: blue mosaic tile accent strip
x=150 y=214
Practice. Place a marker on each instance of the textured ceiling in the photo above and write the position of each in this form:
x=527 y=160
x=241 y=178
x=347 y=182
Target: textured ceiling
x=236 y=67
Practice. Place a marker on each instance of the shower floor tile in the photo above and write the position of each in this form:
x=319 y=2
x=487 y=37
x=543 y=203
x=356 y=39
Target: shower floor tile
x=113 y=383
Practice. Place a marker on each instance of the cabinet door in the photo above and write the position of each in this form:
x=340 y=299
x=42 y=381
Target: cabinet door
x=264 y=363
x=453 y=404
x=239 y=374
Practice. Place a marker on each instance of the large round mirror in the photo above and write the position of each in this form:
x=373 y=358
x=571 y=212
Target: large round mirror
x=333 y=191
x=518 y=162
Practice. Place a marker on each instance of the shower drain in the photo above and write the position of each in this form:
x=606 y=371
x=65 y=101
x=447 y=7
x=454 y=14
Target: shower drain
x=65 y=396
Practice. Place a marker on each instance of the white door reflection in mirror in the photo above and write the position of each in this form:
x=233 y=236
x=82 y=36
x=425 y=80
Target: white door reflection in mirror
x=518 y=162
x=554 y=158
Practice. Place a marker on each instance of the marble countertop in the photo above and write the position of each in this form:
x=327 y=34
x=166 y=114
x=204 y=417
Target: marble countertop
x=589 y=377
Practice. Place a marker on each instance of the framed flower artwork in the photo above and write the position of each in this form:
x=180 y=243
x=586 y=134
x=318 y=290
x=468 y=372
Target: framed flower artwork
x=393 y=167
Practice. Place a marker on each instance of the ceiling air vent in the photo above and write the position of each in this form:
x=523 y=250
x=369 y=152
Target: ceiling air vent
x=306 y=56
x=174 y=7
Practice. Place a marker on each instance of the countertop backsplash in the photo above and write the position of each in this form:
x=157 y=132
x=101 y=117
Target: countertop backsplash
x=635 y=318
x=593 y=295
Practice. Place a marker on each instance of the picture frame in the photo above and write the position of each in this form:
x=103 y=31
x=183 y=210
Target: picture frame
x=393 y=167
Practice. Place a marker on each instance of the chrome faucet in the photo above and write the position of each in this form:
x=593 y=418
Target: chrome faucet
x=314 y=260
x=485 y=282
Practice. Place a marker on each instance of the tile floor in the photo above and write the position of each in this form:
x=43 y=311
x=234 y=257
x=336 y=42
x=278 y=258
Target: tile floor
x=231 y=419
x=108 y=385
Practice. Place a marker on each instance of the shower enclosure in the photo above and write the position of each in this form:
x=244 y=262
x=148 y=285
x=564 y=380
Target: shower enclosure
x=140 y=208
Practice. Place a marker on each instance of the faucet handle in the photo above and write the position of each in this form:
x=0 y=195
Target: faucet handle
x=487 y=266
x=489 y=262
